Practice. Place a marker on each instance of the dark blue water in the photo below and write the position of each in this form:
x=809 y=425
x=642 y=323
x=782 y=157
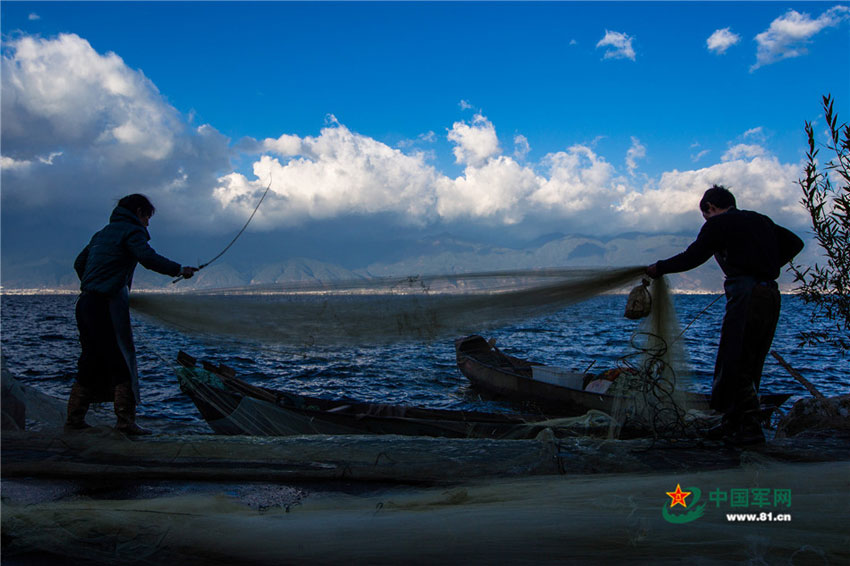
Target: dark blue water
x=40 y=347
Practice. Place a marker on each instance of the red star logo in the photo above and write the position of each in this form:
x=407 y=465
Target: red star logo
x=678 y=496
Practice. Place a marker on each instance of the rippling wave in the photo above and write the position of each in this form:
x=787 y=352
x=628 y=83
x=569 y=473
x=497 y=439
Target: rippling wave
x=40 y=347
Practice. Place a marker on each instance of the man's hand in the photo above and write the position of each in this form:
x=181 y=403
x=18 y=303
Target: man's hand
x=187 y=272
x=652 y=271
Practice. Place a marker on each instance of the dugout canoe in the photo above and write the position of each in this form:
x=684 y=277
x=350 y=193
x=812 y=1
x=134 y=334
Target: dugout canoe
x=511 y=378
x=231 y=406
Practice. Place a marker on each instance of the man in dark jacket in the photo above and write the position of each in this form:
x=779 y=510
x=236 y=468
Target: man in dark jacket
x=106 y=370
x=751 y=250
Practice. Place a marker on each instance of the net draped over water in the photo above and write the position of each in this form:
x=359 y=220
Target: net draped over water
x=380 y=310
x=440 y=308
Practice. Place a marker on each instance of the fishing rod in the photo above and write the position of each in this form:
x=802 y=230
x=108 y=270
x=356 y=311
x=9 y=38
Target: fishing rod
x=227 y=247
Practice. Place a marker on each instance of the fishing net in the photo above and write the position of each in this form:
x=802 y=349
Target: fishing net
x=27 y=408
x=441 y=307
x=656 y=375
x=608 y=519
x=429 y=308
x=559 y=490
x=381 y=310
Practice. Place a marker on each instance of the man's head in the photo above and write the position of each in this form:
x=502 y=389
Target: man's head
x=716 y=200
x=140 y=206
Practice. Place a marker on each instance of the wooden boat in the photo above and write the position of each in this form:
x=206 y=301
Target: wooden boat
x=511 y=378
x=233 y=407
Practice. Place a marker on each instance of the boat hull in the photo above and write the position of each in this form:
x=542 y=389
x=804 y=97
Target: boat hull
x=233 y=407
x=510 y=378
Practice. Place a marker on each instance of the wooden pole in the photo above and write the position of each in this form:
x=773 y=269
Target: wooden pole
x=806 y=383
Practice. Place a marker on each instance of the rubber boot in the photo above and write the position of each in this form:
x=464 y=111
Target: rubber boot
x=78 y=405
x=125 y=410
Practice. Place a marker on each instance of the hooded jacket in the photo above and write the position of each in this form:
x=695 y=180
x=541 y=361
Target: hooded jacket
x=107 y=263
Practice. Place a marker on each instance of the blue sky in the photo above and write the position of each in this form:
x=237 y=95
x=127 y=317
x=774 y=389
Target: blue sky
x=490 y=119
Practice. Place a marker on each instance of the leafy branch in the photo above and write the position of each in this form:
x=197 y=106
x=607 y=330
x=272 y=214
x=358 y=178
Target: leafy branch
x=827 y=286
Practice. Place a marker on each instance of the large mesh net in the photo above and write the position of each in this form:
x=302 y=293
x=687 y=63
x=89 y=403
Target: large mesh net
x=379 y=310
x=432 y=308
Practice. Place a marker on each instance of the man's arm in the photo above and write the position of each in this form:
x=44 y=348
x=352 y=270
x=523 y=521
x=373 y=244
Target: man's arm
x=697 y=254
x=137 y=244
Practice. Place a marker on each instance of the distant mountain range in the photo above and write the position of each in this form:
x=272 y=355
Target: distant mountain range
x=442 y=254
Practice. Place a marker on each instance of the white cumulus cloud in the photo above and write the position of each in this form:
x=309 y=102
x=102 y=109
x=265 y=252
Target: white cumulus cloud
x=579 y=180
x=286 y=145
x=619 y=45
x=721 y=40
x=745 y=151
x=758 y=180
x=112 y=128
x=789 y=34
x=475 y=142
x=336 y=173
x=76 y=92
x=495 y=191
x=341 y=172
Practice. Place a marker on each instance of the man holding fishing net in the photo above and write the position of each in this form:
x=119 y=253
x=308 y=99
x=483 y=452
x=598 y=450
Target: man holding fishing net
x=750 y=250
x=106 y=370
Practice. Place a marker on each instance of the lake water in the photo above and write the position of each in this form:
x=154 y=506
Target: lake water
x=40 y=347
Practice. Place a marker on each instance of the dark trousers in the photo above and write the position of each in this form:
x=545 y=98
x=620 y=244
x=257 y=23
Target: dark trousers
x=752 y=311
x=102 y=364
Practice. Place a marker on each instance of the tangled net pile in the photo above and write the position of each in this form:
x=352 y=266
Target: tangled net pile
x=655 y=372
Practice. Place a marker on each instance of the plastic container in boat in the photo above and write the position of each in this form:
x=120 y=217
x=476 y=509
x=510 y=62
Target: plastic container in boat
x=558 y=376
